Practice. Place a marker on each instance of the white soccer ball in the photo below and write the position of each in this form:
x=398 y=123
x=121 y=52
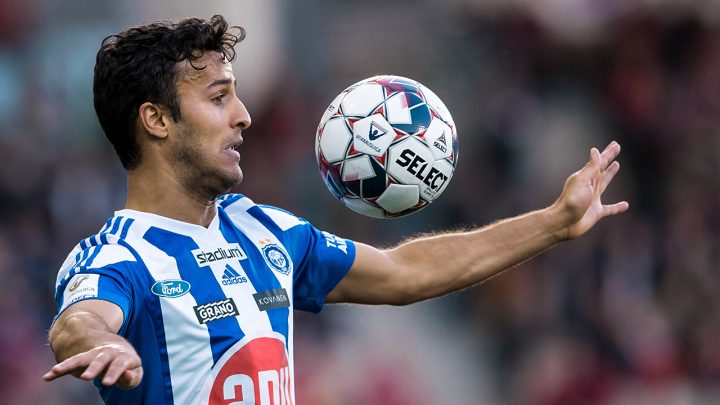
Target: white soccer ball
x=386 y=146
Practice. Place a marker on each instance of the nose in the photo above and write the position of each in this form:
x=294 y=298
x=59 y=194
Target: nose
x=242 y=116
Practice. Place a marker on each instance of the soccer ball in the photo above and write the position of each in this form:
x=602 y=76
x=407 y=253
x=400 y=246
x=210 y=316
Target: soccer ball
x=386 y=146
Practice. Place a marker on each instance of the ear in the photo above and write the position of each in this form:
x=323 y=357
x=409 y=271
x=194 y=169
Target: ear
x=154 y=119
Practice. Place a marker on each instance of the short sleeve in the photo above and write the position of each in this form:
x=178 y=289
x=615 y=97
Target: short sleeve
x=327 y=260
x=107 y=279
x=101 y=284
x=322 y=259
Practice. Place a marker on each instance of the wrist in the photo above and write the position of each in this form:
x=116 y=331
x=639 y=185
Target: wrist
x=558 y=221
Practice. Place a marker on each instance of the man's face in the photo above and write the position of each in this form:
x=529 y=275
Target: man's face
x=204 y=141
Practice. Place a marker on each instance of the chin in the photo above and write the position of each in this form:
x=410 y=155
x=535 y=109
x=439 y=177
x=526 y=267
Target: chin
x=220 y=183
x=231 y=180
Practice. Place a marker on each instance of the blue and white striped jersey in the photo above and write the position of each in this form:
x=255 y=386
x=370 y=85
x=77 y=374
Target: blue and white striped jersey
x=209 y=310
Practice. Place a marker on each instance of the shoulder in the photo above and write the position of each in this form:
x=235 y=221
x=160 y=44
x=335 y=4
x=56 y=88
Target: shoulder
x=238 y=203
x=105 y=248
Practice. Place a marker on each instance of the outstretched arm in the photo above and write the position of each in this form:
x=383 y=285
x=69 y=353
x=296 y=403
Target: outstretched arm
x=85 y=342
x=431 y=266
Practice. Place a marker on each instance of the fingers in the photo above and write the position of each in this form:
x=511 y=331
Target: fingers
x=71 y=364
x=608 y=175
x=130 y=378
x=601 y=160
x=608 y=155
x=614 y=209
x=51 y=375
x=113 y=363
x=118 y=368
x=599 y=169
x=97 y=366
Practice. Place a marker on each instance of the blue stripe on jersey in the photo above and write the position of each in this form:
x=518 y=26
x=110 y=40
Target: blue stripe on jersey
x=261 y=276
x=88 y=262
x=155 y=310
x=126 y=227
x=114 y=228
x=153 y=380
x=204 y=286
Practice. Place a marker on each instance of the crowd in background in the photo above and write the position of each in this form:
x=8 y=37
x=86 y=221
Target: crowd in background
x=629 y=314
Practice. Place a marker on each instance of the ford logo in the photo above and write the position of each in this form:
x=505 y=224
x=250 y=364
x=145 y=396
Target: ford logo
x=170 y=288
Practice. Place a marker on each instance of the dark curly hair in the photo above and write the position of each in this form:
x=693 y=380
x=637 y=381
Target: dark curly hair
x=139 y=65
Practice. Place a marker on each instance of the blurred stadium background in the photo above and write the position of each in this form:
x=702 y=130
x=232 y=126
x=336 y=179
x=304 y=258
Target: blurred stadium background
x=630 y=314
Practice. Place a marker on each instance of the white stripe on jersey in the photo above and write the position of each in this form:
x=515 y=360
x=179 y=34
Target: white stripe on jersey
x=107 y=257
x=284 y=220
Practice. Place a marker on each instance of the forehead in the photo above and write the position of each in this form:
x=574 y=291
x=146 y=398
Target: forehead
x=203 y=71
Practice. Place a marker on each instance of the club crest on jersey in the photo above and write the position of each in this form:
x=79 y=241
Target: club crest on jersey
x=276 y=258
x=170 y=288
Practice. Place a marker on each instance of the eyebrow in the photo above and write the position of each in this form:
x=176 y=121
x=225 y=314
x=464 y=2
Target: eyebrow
x=220 y=82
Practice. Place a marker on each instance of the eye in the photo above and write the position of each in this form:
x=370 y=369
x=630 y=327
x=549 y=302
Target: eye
x=218 y=99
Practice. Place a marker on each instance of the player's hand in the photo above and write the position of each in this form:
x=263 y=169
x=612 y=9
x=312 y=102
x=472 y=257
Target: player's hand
x=113 y=363
x=580 y=200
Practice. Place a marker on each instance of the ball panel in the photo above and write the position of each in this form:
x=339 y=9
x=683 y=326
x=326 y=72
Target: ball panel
x=317 y=144
x=331 y=176
x=363 y=207
x=357 y=168
x=362 y=100
x=373 y=187
x=332 y=109
x=436 y=180
x=399 y=197
x=372 y=135
x=409 y=161
x=397 y=110
x=437 y=105
x=439 y=139
x=419 y=113
x=397 y=83
x=334 y=139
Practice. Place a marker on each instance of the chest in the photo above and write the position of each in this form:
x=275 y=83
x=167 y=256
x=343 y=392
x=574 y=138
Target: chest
x=220 y=284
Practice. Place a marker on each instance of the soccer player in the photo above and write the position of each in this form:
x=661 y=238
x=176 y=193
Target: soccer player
x=187 y=294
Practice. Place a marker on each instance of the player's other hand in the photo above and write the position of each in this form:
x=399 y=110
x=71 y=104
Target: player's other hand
x=112 y=363
x=580 y=202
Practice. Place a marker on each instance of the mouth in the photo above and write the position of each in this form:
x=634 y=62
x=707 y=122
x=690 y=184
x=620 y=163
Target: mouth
x=232 y=149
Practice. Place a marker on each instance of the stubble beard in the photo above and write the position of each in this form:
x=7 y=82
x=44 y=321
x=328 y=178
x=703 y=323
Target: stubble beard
x=196 y=171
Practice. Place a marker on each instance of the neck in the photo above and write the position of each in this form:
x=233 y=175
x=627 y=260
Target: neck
x=160 y=193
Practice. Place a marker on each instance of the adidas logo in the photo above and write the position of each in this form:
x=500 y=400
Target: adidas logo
x=231 y=276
